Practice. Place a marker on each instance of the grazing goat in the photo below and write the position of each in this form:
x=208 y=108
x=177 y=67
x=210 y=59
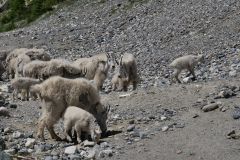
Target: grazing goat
x=22 y=84
x=80 y=120
x=57 y=93
x=187 y=62
x=126 y=73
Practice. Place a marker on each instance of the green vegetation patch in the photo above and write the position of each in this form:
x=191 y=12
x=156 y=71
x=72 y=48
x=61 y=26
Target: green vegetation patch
x=22 y=12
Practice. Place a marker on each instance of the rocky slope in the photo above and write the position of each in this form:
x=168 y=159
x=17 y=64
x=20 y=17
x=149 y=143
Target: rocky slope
x=155 y=122
x=156 y=32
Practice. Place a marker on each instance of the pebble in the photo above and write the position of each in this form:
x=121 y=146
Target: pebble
x=12 y=106
x=210 y=107
x=4 y=112
x=7 y=130
x=10 y=151
x=163 y=118
x=131 y=121
x=30 y=143
x=130 y=128
x=48 y=158
x=165 y=128
x=74 y=157
x=233 y=73
x=70 y=150
x=87 y=143
x=17 y=135
x=236 y=113
x=105 y=153
x=186 y=80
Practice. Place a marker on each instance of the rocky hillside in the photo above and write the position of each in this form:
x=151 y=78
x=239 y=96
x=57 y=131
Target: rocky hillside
x=154 y=31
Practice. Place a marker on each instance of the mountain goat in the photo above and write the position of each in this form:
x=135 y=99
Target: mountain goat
x=54 y=67
x=22 y=84
x=57 y=93
x=126 y=73
x=80 y=120
x=187 y=62
x=33 y=53
x=33 y=68
x=20 y=57
x=95 y=70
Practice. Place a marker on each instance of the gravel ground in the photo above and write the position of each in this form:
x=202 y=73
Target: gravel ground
x=160 y=120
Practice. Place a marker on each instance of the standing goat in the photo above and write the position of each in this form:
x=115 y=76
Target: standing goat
x=126 y=73
x=95 y=70
x=58 y=93
x=187 y=62
x=22 y=84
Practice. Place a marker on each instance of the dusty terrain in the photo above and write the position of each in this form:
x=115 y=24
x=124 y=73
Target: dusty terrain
x=156 y=32
x=202 y=137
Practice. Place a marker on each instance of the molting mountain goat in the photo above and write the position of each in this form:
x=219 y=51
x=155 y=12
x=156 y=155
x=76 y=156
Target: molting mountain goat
x=58 y=93
x=126 y=73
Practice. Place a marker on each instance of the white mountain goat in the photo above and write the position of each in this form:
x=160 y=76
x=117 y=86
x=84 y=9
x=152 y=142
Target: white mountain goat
x=58 y=93
x=126 y=73
x=187 y=62
x=80 y=120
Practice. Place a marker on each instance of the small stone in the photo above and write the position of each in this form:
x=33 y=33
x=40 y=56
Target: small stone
x=23 y=151
x=142 y=135
x=105 y=153
x=39 y=148
x=13 y=106
x=104 y=145
x=70 y=150
x=48 y=158
x=179 y=125
x=4 y=112
x=87 y=143
x=236 y=113
x=210 y=107
x=179 y=152
x=30 y=142
x=7 y=130
x=10 y=151
x=74 y=157
x=186 y=80
x=131 y=121
x=165 y=128
x=30 y=150
x=163 y=118
x=233 y=73
x=195 y=116
x=17 y=135
x=130 y=128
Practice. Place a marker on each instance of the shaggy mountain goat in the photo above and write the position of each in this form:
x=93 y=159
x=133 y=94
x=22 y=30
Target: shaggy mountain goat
x=94 y=69
x=22 y=84
x=80 y=120
x=20 y=57
x=54 y=67
x=33 y=53
x=187 y=62
x=58 y=93
x=126 y=73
